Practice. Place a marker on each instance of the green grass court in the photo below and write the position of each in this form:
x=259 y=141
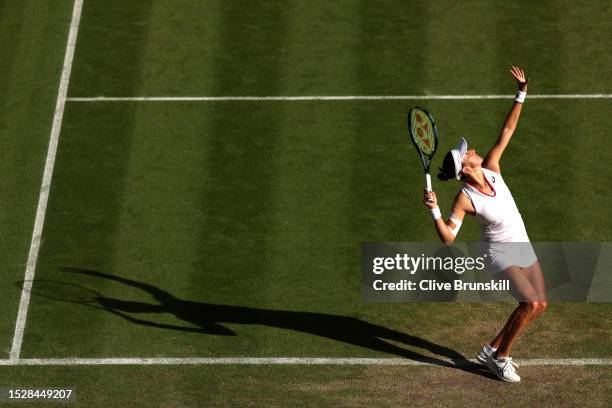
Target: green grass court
x=233 y=228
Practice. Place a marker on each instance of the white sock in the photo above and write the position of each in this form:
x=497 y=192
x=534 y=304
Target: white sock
x=489 y=349
x=501 y=359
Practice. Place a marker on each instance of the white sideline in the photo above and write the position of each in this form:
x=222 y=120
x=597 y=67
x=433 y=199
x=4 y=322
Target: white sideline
x=285 y=361
x=322 y=98
x=46 y=182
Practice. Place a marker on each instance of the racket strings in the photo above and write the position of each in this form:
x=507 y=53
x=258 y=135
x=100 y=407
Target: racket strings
x=423 y=129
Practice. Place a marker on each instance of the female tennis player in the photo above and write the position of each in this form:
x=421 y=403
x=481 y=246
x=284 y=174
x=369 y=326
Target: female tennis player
x=485 y=195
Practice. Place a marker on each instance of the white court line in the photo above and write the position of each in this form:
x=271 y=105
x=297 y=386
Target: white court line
x=46 y=182
x=287 y=361
x=322 y=98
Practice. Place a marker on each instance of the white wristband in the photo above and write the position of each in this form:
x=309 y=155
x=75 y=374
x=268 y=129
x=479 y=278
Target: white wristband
x=435 y=213
x=520 y=96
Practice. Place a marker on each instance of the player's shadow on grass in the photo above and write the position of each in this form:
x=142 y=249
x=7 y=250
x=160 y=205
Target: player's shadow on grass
x=208 y=318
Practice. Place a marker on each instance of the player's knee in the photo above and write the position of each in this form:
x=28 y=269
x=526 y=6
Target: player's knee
x=530 y=308
x=541 y=306
x=525 y=306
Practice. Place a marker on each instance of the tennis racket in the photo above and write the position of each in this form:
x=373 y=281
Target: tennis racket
x=424 y=135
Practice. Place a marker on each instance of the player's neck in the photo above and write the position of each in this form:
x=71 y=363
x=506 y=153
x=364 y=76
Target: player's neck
x=477 y=179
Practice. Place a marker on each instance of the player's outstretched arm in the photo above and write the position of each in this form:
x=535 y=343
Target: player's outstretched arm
x=491 y=162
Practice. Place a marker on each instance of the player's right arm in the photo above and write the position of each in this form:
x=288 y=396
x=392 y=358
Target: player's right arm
x=447 y=231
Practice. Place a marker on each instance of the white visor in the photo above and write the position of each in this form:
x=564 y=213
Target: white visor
x=458 y=154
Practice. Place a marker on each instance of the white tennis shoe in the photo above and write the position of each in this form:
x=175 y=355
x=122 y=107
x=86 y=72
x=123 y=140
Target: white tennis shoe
x=484 y=353
x=505 y=370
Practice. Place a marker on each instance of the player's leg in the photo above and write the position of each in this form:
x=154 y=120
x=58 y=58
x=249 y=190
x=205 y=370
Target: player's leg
x=509 y=323
x=536 y=278
x=491 y=348
x=499 y=255
x=529 y=307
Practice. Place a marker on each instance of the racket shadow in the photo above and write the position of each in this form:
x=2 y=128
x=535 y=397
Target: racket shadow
x=208 y=318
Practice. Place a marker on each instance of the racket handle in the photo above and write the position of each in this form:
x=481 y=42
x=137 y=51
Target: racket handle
x=427 y=181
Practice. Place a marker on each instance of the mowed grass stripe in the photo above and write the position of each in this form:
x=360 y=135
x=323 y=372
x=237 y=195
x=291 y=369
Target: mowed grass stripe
x=89 y=185
x=30 y=66
x=233 y=264
x=310 y=240
x=463 y=55
x=46 y=180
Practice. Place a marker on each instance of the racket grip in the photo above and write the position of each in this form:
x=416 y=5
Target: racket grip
x=427 y=181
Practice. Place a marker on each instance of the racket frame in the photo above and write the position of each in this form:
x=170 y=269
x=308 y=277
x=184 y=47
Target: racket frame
x=425 y=158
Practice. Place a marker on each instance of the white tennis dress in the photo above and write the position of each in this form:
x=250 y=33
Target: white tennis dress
x=502 y=231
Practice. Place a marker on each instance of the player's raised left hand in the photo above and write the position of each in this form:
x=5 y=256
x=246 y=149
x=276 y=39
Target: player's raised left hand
x=519 y=74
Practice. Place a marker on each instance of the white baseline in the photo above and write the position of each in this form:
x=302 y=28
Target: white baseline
x=288 y=361
x=323 y=98
x=46 y=181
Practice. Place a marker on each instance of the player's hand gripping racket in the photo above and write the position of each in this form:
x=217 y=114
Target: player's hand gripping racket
x=424 y=135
